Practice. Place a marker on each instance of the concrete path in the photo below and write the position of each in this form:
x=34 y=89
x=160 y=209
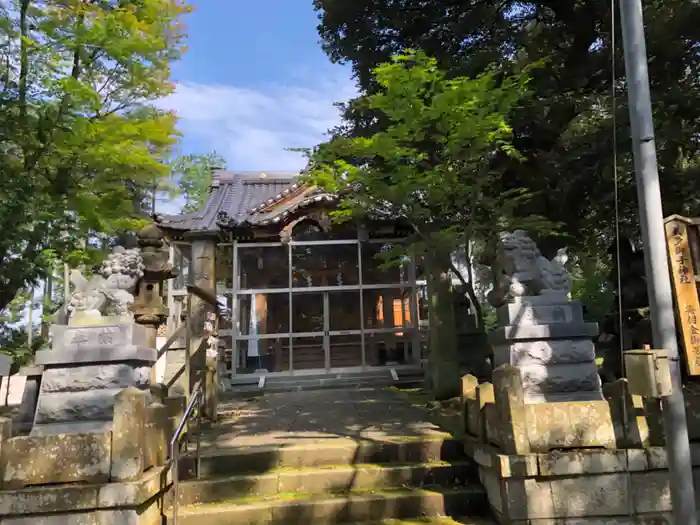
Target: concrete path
x=311 y=417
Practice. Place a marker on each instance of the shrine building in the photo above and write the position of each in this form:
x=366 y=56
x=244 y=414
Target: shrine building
x=308 y=296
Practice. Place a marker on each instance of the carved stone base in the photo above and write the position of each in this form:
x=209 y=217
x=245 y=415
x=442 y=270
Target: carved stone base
x=84 y=371
x=549 y=342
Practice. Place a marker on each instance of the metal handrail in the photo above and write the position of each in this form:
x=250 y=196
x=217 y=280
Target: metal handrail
x=196 y=401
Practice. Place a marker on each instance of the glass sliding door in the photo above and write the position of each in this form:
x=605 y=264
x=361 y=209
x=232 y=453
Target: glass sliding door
x=325 y=292
x=345 y=328
x=262 y=332
x=321 y=305
x=326 y=330
x=390 y=319
x=309 y=331
x=261 y=310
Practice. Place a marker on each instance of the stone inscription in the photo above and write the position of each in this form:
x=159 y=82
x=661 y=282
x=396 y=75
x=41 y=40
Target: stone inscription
x=91 y=337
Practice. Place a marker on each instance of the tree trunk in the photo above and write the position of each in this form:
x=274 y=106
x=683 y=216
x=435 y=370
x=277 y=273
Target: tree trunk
x=444 y=364
x=46 y=305
x=478 y=311
x=468 y=284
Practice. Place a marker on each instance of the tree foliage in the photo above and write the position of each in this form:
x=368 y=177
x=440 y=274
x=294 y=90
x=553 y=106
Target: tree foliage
x=14 y=336
x=432 y=165
x=192 y=174
x=81 y=139
x=564 y=131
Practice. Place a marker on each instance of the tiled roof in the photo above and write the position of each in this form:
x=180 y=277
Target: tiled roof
x=246 y=198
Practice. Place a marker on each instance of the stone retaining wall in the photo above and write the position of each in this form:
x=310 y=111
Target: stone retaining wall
x=136 y=502
x=92 y=478
x=578 y=463
x=591 y=487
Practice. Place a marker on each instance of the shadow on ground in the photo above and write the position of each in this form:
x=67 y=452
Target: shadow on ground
x=271 y=437
x=284 y=418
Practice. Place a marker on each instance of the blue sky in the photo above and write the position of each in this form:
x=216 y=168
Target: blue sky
x=254 y=82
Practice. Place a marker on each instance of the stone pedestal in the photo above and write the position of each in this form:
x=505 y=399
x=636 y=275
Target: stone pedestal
x=85 y=369
x=552 y=346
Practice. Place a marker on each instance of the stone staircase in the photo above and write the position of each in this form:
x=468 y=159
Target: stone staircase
x=248 y=385
x=333 y=481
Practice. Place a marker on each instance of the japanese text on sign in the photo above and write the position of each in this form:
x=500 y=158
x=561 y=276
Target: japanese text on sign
x=683 y=278
x=681 y=259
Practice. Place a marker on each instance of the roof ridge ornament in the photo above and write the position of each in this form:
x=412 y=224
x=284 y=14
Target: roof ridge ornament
x=215 y=176
x=269 y=202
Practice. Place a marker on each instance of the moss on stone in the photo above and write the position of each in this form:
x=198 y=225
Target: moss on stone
x=358 y=466
x=309 y=496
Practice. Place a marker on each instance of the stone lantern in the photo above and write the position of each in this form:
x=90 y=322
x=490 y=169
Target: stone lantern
x=149 y=309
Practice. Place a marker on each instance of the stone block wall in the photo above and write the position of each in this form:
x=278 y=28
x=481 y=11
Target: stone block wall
x=93 y=478
x=570 y=463
x=579 y=487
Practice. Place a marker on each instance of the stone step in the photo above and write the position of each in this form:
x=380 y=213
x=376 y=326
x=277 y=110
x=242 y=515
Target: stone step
x=217 y=460
x=301 y=384
x=359 y=506
x=435 y=520
x=329 y=480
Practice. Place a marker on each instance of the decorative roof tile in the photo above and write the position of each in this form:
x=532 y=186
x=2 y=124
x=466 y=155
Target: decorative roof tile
x=246 y=198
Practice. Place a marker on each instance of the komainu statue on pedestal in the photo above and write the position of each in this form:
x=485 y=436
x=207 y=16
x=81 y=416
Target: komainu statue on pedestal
x=109 y=293
x=519 y=269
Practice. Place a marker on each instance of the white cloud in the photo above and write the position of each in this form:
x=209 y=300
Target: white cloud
x=253 y=127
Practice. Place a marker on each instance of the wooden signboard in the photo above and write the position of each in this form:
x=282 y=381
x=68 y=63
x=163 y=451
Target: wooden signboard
x=685 y=289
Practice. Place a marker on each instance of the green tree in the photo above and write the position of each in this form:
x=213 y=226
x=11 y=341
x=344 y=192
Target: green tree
x=432 y=167
x=192 y=174
x=14 y=333
x=564 y=131
x=81 y=138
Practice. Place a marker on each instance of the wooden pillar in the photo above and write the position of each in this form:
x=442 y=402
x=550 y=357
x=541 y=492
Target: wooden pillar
x=203 y=276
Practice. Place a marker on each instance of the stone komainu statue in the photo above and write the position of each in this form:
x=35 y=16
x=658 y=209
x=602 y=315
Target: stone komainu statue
x=519 y=269
x=110 y=292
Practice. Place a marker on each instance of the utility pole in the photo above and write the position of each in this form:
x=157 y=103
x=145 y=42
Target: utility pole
x=663 y=323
